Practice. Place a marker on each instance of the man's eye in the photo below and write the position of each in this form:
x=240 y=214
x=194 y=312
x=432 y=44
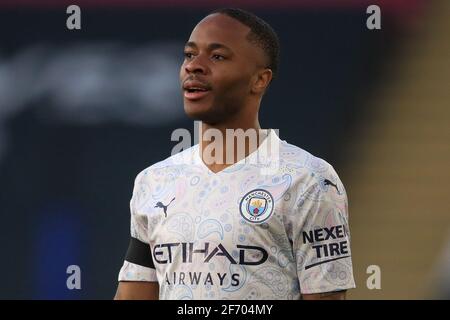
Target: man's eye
x=218 y=57
x=188 y=55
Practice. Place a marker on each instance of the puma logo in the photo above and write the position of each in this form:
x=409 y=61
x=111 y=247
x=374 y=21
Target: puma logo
x=159 y=204
x=328 y=182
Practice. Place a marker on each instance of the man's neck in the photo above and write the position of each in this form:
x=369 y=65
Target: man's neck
x=230 y=146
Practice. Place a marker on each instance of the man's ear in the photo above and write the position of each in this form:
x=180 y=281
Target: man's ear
x=261 y=81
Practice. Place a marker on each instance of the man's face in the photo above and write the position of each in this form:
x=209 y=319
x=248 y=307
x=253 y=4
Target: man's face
x=217 y=70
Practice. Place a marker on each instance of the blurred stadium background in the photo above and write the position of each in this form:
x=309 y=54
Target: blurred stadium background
x=82 y=112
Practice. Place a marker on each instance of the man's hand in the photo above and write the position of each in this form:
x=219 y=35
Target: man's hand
x=337 y=295
x=137 y=290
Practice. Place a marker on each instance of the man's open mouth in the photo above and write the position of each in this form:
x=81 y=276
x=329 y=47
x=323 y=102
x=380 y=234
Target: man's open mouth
x=196 y=89
x=195 y=93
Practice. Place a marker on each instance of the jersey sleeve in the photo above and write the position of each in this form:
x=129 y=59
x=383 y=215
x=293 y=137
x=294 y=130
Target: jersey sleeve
x=138 y=264
x=321 y=237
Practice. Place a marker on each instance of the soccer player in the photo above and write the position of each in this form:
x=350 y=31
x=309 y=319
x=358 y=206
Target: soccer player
x=221 y=230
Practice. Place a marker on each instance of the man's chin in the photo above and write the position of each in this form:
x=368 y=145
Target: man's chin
x=205 y=116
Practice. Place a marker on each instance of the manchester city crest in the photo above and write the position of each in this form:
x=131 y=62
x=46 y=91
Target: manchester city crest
x=257 y=206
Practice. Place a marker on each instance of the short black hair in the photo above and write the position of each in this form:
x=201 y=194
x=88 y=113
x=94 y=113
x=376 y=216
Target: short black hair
x=261 y=34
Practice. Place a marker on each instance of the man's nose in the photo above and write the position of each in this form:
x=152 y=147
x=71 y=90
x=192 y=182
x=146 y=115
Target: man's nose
x=195 y=66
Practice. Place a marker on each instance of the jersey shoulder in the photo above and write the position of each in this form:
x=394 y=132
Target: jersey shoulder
x=174 y=163
x=308 y=167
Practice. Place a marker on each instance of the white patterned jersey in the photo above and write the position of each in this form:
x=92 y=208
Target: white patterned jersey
x=271 y=226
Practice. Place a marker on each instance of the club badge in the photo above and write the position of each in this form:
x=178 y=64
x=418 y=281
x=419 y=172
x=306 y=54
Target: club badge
x=257 y=206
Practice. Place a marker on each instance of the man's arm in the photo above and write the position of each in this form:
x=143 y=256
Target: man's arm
x=137 y=290
x=337 y=295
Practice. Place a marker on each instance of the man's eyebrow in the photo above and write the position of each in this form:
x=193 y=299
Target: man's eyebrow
x=211 y=46
x=190 y=44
